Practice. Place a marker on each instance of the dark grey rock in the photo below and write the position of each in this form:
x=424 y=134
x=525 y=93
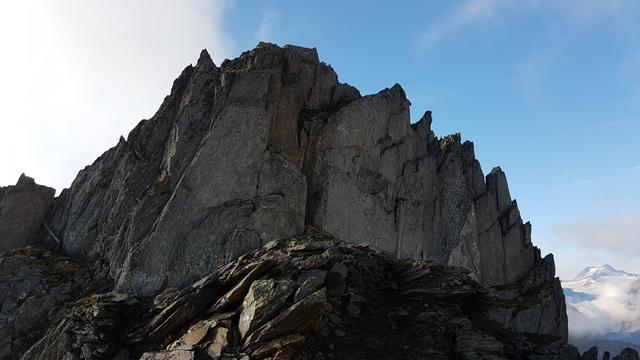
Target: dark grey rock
x=34 y=285
x=94 y=328
x=536 y=303
x=591 y=354
x=568 y=352
x=302 y=317
x=406 y=310
x=22 y=210
x=264 y=299
x=627 y=354
x=310 y=281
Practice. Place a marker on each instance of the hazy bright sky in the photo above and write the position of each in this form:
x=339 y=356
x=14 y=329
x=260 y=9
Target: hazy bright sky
x=548 y=90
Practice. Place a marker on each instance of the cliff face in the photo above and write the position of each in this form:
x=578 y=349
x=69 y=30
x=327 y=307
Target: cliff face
x=270 y=144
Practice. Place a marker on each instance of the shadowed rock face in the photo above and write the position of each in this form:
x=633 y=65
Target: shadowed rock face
x=308 y=297
x=267 y=143
x=35 y=284
x=22 y=210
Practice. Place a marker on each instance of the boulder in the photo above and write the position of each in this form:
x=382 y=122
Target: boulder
x=264 y=299
x=23 y=207
x=301 y=318
x=309 y=281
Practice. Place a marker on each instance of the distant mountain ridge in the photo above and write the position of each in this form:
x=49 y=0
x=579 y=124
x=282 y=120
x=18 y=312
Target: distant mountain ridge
x=593 y=275
x=577 y=296
x=611 y=346
x=602 y=304
x=596 y=272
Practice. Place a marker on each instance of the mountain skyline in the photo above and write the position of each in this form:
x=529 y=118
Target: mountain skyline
x=604 y=270
x=78 y=75
x=269 y=209
x=467 y=169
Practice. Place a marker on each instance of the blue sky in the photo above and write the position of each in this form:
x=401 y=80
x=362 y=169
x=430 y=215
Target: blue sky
x=548 y=90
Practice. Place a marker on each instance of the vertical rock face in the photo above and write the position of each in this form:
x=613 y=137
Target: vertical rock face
x=372 y=175
x=214 y=174
x=534 y=304
x=269 y=143
x=22 y=210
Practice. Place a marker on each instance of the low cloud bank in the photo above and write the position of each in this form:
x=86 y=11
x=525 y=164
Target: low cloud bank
x=616 y=233
x=602 y=308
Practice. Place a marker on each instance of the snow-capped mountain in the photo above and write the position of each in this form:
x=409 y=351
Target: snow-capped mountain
x=603 y=303
x=596 y=272
x=594 y=276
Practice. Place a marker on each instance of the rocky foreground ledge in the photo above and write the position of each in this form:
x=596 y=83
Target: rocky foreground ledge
x=306 y=297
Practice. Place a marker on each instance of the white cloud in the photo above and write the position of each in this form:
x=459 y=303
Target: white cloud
x=268 y=25
x=619 y=234
x=472 y=12
x=559 y=22
x=614 y=306
x=467 y=13
x=77 y=74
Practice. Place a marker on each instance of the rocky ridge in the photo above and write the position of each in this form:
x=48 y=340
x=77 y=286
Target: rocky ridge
x=307 y=297
x=260 y=149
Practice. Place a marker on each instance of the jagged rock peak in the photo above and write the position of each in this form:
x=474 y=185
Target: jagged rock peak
x=288 y=101
x=204 y=59
x=269 y=146
x=271 y=142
